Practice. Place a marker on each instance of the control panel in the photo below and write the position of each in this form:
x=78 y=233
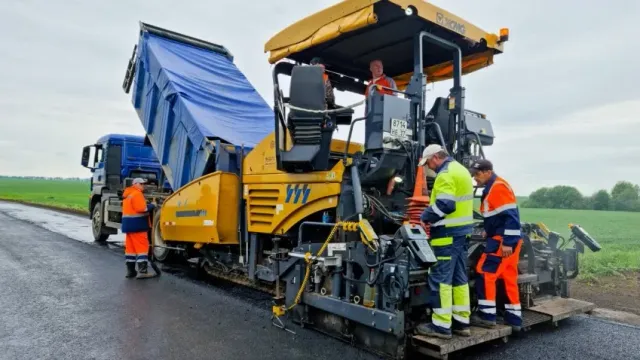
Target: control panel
x=415 y=238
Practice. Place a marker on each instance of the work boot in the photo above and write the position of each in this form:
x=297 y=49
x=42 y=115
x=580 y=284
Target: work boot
x=466 y=332
x=478 y=321
x=427 y=329
x=131 y=270
x=142 y=270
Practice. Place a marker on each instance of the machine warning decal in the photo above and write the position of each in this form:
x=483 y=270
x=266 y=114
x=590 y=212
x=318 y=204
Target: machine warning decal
x=297 y=194
x=269 y=160
x=191 y=213
x=333 y=247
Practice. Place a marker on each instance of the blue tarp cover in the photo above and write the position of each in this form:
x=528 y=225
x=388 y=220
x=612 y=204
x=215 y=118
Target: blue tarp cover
x=213 y=97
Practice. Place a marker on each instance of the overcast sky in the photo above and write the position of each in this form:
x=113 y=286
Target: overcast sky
x=568 y=78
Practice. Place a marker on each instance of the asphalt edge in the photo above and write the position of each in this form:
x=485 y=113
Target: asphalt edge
x=616 y=316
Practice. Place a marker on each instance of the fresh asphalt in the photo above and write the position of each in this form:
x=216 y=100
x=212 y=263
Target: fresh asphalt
x=66 y=299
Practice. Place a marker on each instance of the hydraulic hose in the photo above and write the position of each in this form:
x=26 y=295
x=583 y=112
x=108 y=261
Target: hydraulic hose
x=347 y=225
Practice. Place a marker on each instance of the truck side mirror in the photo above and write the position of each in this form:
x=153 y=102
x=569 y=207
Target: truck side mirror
x=86 y=153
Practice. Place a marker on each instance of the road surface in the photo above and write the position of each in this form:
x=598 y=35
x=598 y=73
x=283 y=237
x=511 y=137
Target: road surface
x=64 y=297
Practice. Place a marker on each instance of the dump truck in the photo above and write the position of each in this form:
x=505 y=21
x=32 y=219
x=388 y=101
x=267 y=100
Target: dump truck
x=114 y=161
x=265 y=196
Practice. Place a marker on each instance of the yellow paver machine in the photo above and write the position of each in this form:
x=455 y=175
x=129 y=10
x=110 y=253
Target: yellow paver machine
x=331 y=227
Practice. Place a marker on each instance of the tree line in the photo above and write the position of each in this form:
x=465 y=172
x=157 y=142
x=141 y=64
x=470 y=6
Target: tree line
x=624 y=196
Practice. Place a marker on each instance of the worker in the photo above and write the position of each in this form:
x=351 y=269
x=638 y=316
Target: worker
x=379 y=78
x=450 y=215
x=500 y=258
x=330 y=97
x=135 y=224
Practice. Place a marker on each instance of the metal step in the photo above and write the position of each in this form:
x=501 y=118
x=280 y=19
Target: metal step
x=559 y=308
x=440 y=348
x=549 y=310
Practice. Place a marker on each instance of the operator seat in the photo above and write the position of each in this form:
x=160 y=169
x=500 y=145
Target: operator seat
x=310 y=132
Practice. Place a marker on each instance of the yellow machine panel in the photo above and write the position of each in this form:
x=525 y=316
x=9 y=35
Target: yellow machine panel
x=277 y=200
x=275 y=208
x=203 y=211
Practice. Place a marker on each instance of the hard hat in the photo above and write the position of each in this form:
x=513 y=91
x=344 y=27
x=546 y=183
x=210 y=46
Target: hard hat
x=428 y=152
x=139 y=181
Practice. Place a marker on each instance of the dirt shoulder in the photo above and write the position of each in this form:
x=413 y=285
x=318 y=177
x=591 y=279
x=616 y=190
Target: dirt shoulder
x=621 y=293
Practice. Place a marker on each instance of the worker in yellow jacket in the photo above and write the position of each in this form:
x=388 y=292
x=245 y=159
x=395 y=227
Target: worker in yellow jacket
x=450 y=216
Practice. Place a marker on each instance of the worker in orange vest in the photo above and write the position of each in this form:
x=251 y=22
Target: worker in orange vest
x=135 y=224
x=502 y=227
x=379 y=78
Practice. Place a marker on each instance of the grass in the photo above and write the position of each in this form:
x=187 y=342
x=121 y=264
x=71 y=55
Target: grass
x=65 y=194
x=617 y=232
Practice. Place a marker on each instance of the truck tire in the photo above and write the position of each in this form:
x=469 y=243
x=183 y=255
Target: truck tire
x=97 y=226
x=160 y=254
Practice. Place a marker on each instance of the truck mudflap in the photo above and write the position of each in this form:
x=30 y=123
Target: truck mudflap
x=549 y=310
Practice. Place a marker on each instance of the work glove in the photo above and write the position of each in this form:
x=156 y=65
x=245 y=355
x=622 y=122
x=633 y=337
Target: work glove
x=150 y=207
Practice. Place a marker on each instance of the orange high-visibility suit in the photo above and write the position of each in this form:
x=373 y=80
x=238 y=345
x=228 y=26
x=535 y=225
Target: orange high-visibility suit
x=135 y=224
x=502 y=226
x=383 y=80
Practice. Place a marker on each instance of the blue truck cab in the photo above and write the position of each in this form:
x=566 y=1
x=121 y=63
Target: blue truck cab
x=115 y=160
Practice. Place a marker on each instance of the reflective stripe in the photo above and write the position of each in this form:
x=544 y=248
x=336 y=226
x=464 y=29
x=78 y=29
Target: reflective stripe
x=445 y=197
x=454 y=198
x=486 y=302
x=512 y=232
x=442 y=311
x=454 y=221
x=517 y=313
x=437 y=210
x=130 y=260
x=489 y=310
x=443 y=258
x=136 y=215
x=461 y=319
x=461 y=308
x=442 y=324
x=441 y=241
x=500 y=209
x=512 y=307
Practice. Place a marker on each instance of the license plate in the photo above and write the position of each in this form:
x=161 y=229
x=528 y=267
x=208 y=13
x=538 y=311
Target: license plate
x=399 y=128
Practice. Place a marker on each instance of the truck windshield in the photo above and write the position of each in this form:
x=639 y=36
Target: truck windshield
x=138 y=152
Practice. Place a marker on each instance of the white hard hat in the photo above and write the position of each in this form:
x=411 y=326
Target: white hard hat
x=428 y=152
x=139 y=181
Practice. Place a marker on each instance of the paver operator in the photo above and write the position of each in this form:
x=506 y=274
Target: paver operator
x=379 y=78
x=500 y=258
x=135 y=224
x=450 y=215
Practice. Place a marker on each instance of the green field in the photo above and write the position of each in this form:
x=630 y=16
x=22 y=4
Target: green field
x=68 y=194
x=617 y=232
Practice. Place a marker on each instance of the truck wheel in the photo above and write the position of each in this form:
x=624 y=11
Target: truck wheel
x=159 y=253
x=97 y=226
